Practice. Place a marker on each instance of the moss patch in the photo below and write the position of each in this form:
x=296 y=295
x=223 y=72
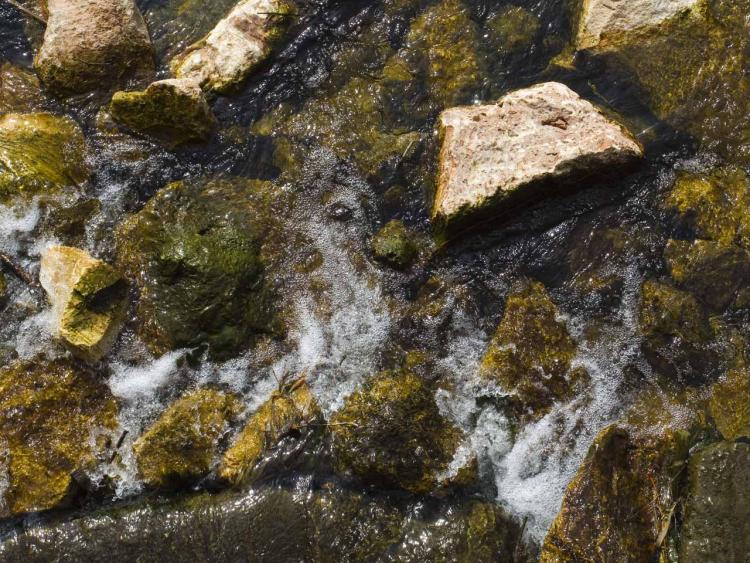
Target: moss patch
x=394 y=246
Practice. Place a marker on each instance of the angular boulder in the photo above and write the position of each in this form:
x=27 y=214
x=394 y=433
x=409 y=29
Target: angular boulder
x=93 y=44
x=288 y=408
x=716 y=524
x=238 y=43
x=392 y=434
x=50 y=416
x=39 y=153
x=173 y=111
x=198 y=252
x=531 y=352
x=88 y=297
x=529 y=142
x=179 y=448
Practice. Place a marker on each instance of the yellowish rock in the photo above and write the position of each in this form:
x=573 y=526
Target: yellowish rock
x=88 y=297
x=290 y=407
x=730 y=404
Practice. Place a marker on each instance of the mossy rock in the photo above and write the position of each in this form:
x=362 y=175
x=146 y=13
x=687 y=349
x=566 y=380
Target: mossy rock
x=730 y=404
x=512 y=28
x=3 y=289
x=676 y=331
x=531 y=352
x=288 y=409
x=67 y=221
x=713 y=272
x=714 y=205
x=20 y=90
x=40 y=153
x=391 y=434
x=198 y=252
x=620 y=500
x=172 y=111
x=179 y=448
x=50 y=415
x=394 y=245
x=716 y=525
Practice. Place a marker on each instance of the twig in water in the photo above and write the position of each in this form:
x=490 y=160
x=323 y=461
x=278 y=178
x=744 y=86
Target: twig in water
x=22 y=274
x=27 y=12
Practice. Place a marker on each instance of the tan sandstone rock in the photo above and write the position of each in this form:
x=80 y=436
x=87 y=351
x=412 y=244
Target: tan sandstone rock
x=88 y=298
x=90 y=44
x=235 y=46
x=542 y=134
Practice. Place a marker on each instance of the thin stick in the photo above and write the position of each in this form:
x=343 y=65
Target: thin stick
x=22 y=274
x=27 y=12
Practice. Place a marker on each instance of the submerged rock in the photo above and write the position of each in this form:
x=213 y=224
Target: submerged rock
x=531 y=352
x=89 y=300
x=238 y=43
x=19 y=89
x=173 y=111
x=39 y=153
x=717 y=508
x=494 y=155
x=198 y=252
x=93 y=44
x=730 y=404
x=713 y=272
x=393 y=245
x=179 y=448
x=288 y=409
x=391 y=434
x=52 y=419
x=279 y=525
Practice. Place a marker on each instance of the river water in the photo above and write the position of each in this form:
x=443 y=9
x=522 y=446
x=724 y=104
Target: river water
x=369 y=315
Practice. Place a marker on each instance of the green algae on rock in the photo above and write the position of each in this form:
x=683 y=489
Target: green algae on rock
x=713 y=272
x=238 y=43
x=180 y=447
x=89 y=300
x=730 y=404
x=716 y=524
x=288 y=408
x=39 y=153
x=197 y=253
x=172 y=111
x=93 y=44
x=531 y=352
x=20 y=89
x=714 y=204
x=50 y=415
x=392 y=434
x=394 y=246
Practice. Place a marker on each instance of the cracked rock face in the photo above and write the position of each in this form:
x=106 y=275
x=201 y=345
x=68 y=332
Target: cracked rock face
x=89 y=44
x=539 y=134
x=600 y=18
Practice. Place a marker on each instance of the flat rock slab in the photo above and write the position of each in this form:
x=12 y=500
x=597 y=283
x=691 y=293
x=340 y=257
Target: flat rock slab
x=90 y=44
x=599 y=18
x=532 y=136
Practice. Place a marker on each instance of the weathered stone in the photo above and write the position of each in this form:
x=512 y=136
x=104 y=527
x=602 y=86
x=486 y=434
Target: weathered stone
x=197 y=251
x=50 y=415
x=713 y=272
x=717 y=509
x=619 y=504
x=391 y=434
x=531 y=352
x=92 y=44
x=676 y=331
x=20 y=90
x=288 y=408
x=238 y=43
x=179 y=448
x=393 y=245
x=173 y=111
x=730 y=404
x=714 y=204
x=39 y=152
x=89 y=300
x=514 y=148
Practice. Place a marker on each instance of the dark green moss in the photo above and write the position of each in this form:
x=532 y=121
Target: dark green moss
x=394 y=245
